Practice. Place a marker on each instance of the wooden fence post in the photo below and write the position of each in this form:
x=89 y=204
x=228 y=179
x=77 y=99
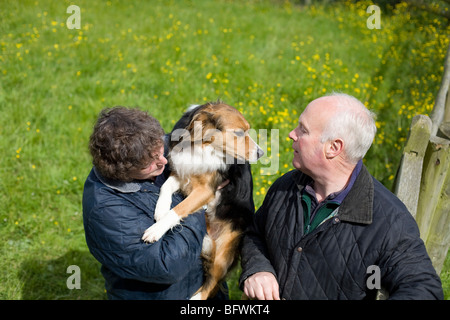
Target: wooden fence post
x=407 y=182
x=423 y=185
x=433 y=210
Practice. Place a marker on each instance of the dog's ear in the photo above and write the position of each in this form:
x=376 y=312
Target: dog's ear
x=202 y=127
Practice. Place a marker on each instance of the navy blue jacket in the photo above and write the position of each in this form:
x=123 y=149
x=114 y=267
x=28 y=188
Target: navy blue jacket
x=115 y=216
x=372 y=229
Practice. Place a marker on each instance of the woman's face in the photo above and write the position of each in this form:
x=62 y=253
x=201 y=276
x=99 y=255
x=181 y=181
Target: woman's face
x=154 y=169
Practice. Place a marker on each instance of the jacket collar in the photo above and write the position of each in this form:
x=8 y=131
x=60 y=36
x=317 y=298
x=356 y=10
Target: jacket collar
x=357 y=206
x=124 y=187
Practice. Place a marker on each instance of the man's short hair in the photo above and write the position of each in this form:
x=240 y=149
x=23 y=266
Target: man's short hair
x=354 y=124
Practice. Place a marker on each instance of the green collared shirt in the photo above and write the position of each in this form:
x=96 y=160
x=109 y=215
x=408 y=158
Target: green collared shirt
x=323 y=213
x=316 y=213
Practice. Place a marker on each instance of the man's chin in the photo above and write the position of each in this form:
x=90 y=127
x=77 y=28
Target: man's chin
x=296 y=164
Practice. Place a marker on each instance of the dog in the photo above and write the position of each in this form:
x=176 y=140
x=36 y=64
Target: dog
x=209 y=154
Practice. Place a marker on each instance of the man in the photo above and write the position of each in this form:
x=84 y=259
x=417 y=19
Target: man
x=119 y=200
x=325 y=227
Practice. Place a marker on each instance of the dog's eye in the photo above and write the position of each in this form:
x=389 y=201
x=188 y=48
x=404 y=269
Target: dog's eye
x=239 y=133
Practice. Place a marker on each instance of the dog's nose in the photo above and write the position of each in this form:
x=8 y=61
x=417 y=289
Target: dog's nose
x=259 y=153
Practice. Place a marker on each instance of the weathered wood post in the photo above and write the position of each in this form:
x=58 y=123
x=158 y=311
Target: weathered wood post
x=409 y=175
x=423 y=184
x=433 y=211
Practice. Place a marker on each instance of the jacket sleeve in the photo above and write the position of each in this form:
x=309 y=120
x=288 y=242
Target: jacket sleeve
x=114 y=237
x=254 y=254
x=407 y=272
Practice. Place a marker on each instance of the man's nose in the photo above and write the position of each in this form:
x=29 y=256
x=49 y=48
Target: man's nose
x=292 y=135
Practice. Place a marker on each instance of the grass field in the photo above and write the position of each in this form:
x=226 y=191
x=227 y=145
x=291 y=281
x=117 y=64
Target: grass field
x=267 y=58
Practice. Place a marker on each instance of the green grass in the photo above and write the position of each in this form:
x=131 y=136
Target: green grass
x=269 y=59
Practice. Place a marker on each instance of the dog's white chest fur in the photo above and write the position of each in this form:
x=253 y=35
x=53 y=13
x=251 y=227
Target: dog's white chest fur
x=187 y=162
x=197 y=160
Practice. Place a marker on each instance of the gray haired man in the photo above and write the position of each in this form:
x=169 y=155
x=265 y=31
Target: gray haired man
x=328 y=226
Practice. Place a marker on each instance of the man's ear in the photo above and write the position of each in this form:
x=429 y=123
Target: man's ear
x=333 y=148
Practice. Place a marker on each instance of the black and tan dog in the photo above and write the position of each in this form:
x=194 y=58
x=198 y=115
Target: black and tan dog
x=209 y=154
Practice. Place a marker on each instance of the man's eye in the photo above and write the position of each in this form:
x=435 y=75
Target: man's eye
x=303 y=129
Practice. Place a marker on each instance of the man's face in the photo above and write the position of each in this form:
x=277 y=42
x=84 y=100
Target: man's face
x=154 y=169
x=308 y=150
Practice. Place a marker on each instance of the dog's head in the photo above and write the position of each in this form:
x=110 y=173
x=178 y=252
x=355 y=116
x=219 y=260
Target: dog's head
x=224 y=128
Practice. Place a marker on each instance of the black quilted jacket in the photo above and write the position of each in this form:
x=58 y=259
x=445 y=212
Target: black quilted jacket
x=372 y=228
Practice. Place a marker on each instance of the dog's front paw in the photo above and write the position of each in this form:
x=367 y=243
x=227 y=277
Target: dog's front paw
x=156 y=231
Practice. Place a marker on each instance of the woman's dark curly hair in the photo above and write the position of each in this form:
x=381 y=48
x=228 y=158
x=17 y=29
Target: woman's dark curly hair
x=124 y=141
